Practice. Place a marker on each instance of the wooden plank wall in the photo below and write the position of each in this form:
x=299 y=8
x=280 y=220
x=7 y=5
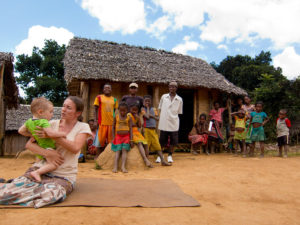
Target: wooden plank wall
x=13 y=143
x=2 y=109
x=121 y=89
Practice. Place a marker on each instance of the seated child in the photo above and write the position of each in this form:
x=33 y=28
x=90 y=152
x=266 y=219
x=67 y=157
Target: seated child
x=42 y=112
x=150 y=116
x=283 y=125
x=240 y=130
x=122 y=136
x=138 y=138
x=216 y=124
x=199 y=134
x=258 y=120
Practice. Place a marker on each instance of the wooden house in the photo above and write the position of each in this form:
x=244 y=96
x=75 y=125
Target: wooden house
x=89 y=64
x=15 y=118
x=8 y=91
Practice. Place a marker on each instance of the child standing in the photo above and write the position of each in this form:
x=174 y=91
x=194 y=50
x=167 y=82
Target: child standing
x=283 y=125
x=216 y=121
x=199 y=134
x=138 y=138
x=248 y=108
x=240 y=130
x=122 y=136
x=150 y=116
x=258 y=120
x=230 y=141
x=42 y=112
x=105 y=106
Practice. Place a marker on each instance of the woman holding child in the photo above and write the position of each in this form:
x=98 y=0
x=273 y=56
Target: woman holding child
x=54 y=186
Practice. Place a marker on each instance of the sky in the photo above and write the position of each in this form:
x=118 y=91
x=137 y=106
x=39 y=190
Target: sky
x=206 y=29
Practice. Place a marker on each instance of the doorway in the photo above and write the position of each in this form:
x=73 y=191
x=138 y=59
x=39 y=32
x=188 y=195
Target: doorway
x=187 y=116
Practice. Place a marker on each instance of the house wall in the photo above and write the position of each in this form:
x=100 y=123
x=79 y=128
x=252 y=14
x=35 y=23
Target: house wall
x=13 y=143
x=2 y=109
x=118 y=91
x=204 y=96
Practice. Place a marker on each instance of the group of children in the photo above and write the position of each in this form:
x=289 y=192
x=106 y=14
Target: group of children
x=126 y=133
x=123 y=130
x=245 y=131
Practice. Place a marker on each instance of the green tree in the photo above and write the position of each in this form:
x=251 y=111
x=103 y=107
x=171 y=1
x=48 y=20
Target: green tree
x=245 y=71
x=42 y=73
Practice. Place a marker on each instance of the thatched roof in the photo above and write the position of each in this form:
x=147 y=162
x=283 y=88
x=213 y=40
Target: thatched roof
x=15 y=118
x=9 y=83
x=87 y=59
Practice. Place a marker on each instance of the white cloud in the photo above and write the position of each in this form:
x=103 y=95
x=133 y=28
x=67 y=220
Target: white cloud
x=222 y=46
x=288 y=60
x=117 y=15
x=242 y=21
x=185 y=13
x=37 y=35
x=186 y=46
x=159 y=26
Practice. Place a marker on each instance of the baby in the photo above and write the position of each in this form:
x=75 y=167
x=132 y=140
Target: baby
x=42 y=112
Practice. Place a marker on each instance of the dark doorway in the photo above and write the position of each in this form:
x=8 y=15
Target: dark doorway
x=187 y=118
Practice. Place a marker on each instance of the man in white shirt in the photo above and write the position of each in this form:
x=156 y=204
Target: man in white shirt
x=170 y=107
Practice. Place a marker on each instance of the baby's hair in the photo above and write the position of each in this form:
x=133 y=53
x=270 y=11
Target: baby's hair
x=202 y=115
x=39 y=103
x=91 y=120
x=283 y=111
x=215 y=102
x=259 y=103
x=148 y=97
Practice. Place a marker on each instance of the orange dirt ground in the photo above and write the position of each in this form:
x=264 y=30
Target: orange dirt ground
x=232 y=190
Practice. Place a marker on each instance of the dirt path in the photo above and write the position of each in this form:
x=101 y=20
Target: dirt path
x=232 y=190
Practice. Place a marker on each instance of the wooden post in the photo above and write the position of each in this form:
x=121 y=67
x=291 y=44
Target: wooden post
x=196 y=105
x=2 y=110
x=210 y=97
x=229 y=110
x=156 y=97
x=85 y=97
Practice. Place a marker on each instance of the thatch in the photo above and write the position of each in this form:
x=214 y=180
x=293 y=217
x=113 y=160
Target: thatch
x=10 y=87
x=94 y=60
x=15 y=118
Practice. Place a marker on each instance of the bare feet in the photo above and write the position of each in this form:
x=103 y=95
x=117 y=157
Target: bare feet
x=149 y=164
x=164 y=163
x=115 y=170
x=124 y=170
x=36 y=176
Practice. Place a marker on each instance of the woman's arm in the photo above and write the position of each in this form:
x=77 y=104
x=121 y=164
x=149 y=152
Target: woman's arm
x=73 y=146
x=54 y=134
x=52 y=157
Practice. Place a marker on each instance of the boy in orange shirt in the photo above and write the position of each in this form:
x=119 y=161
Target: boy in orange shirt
x=105 y=106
